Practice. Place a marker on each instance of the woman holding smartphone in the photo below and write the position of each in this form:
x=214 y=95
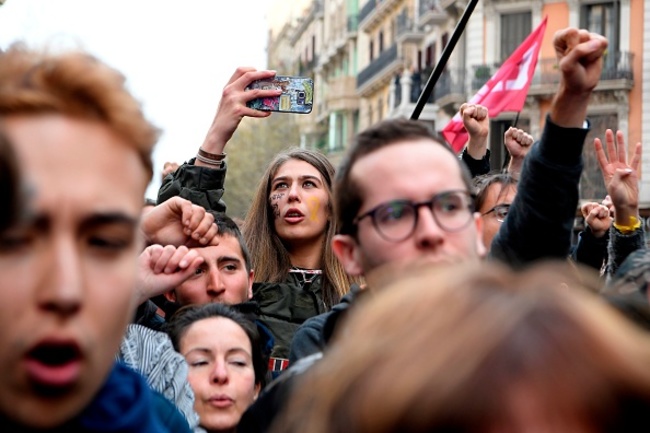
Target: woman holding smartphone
x=289 y=226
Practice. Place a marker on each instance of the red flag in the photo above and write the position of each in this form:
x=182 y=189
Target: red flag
x=506 y=90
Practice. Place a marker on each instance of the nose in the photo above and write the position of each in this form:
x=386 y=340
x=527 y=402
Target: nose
x=61 y=288
x=294 y=193
x=215 y=284
x=428 y=234
x=219 y=372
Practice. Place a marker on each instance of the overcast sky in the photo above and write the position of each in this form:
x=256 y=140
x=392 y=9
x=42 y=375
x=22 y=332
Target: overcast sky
x=177 y=55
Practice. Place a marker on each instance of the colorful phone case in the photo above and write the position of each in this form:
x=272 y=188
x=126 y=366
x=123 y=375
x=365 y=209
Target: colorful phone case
x=297 y=94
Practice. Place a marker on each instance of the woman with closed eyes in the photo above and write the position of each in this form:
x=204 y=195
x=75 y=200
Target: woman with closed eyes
x=226 y=367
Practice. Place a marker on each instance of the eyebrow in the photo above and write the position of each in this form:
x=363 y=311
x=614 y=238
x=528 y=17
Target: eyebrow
x=302 y=177
x=43 y=222
x=203 y=350
x=206 y=351
x=223 y=259
x=109 y=218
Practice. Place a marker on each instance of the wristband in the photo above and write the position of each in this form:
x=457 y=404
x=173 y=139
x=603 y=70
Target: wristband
x=209 y=161
x=216 y=157
x=635 y=223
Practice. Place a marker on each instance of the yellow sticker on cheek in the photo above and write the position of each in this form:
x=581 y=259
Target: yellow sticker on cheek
x=313 y=204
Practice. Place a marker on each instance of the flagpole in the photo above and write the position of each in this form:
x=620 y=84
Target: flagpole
x=446 y=53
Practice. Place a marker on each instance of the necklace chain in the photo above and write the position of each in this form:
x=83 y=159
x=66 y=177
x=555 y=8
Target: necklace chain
x=313 y=273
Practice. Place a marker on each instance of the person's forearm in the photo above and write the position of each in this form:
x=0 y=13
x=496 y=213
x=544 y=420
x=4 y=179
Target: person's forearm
x=477 y=147
x=623 y=213
x=515 y=166
x=569 y=109
x=214 y=143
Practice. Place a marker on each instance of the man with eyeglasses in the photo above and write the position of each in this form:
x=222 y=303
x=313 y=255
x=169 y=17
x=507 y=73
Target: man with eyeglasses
x=494 y=195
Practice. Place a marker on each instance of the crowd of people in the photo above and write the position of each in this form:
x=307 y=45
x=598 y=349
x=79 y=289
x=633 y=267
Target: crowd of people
x=410 y=289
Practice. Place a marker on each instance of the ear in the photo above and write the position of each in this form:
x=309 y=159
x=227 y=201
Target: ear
x=348 y=251
x=256 y=393
x=251 y=278
x=171 y=296
x=480 y=247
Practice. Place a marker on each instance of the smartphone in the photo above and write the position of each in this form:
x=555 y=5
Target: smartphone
x=297 y=94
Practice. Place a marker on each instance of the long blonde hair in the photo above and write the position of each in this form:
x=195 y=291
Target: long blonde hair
x=270 y=257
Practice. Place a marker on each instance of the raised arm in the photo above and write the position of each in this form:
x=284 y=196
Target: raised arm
x=232 y=109
x=518 y=143
x=201 y=179
x=161 y=269
x=476 y=155
x=540 y=222
x=591 y=248
x=622 y=182
x=179 y=222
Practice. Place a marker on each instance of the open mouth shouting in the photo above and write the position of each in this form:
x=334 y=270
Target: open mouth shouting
x=53 y=366
x=293 y=216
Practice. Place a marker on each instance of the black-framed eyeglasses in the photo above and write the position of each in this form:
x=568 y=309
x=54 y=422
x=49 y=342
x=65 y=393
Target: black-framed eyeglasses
x=396 y=220
x=500 y=211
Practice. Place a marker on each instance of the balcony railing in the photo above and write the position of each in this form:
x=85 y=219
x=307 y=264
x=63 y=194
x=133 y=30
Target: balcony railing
x=431 y=12
x=451 y=82
x=616 y=66
x=353 y=23
x=367 y=9
x=406 y=26
x=416 y=89
x=482 y=73
x=384 y=59
x=427 y=5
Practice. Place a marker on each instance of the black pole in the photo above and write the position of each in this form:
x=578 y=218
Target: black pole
x=446 y=53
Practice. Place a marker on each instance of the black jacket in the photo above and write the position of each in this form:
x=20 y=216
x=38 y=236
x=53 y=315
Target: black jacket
x=313 y=335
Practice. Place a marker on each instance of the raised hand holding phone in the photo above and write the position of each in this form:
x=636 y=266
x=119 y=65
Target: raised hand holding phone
x=297 y=94
x=233 y=107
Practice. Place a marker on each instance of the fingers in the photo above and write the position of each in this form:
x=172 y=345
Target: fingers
x=211 y=236
x=579 y=45
x=636 y=157
x=206 y=229
x=599 y=211
x=616 y=151
x=239 y=72
x=607 y=201
x=245 y=79
x=611 y=146
x=170 y=259
x=620 y=145
x=600 y=155
x=159 y=263
x=586 y=208
x=199 y=225
x=473 y=111
x=520 y=136
x=564 y=40
x=241 y=79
